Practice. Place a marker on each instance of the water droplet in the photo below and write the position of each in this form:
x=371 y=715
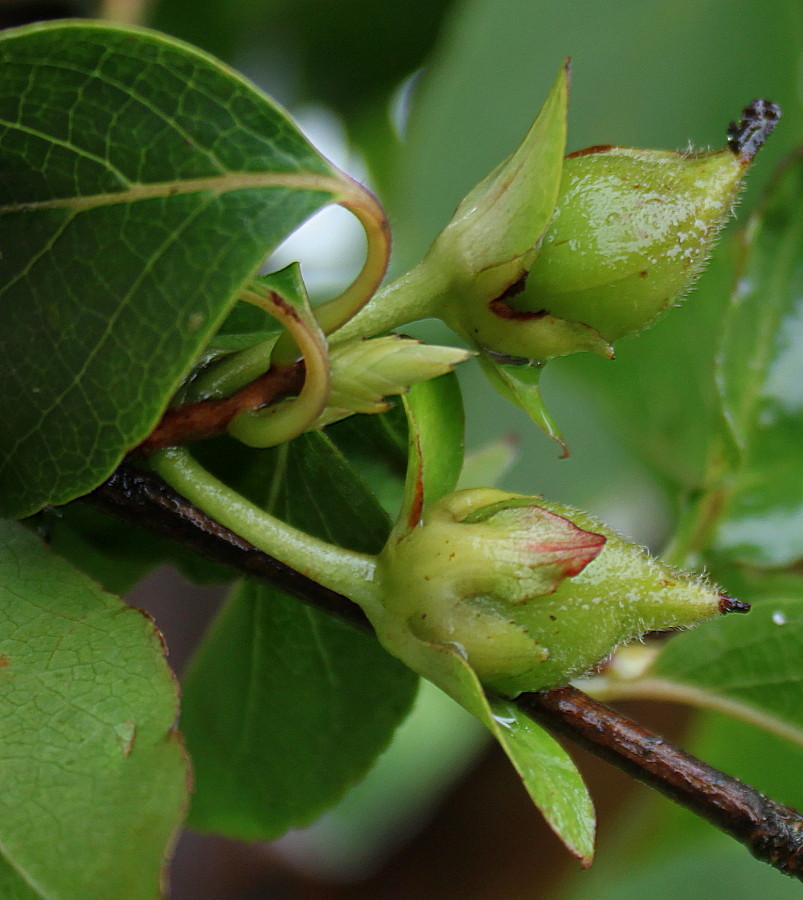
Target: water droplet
x=505 y=721
x=779 y=618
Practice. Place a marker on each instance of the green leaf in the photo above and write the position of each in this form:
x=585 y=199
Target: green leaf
x=284 y=708
x=547 y=771
x=93 y=778
x=436 y=445
x=761 y=384
x=550 y=777
x=332 y=42
x=520 y=384
x=308 y=483
x=376 y=447
x=485 y=466
x=142 y=183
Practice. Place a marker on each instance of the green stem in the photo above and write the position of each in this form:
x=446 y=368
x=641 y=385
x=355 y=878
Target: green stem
x=268 y=427
x=344 y=571
x=416 y=295
x=699 y=519
x=233 y=372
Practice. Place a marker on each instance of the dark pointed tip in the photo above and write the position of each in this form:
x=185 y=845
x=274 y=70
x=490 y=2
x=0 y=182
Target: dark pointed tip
x=729 y=605
x=749 y=133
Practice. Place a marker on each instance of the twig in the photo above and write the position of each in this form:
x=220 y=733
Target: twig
x=772 y=832
x=145 y=500
x=208 y=418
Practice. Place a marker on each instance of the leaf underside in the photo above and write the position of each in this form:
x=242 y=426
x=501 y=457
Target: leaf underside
x=93 y=778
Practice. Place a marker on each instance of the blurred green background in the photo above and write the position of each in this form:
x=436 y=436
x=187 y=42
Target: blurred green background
x=421 y=98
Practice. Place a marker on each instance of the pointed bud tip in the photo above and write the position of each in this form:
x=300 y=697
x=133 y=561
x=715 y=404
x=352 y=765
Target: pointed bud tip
x=758 y=121
x=730 y=605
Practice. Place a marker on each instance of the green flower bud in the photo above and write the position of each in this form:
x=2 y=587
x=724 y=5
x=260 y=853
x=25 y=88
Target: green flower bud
x=630 y=232
x=533 y=593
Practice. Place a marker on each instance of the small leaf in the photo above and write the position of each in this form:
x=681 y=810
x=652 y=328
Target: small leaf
x=548 y=774
x=486 y=465
x=520 y=384
x=366 y=372
x=93 y=778
x=436 y=445
x=142 y=183
x=284 y=709
x=761 y=384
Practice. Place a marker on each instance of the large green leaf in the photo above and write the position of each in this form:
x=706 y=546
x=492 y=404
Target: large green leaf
x=761 y=383
x=141 y=184
x=376 y=446
x=117 y=553
x=93 y=778
x=284 y=708
x=308 y=483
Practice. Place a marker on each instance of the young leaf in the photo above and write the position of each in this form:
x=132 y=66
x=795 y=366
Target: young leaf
x=284 y=708
x=142 y=183
x=520 y=384
x=436 y=445
x=761 y=384
x=93 y=778
x=365 y=373
x=548 y=773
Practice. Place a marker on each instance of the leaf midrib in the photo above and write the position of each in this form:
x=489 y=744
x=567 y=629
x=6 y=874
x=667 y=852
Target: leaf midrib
x=217 y=184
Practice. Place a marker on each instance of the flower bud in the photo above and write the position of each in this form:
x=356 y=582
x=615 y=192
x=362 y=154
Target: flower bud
x=533 y=593
x=630 y=232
